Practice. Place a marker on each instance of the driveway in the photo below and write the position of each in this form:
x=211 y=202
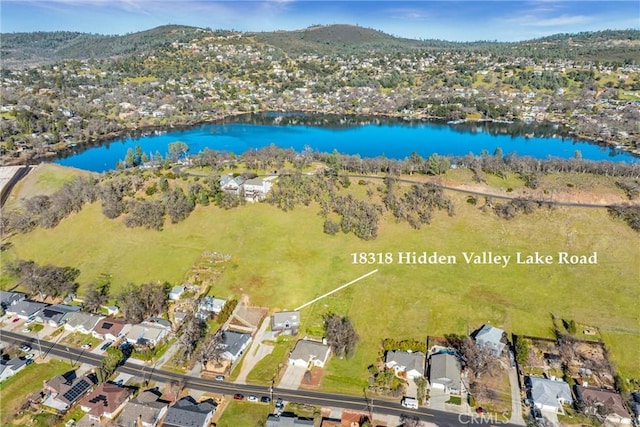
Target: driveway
x=292 y=377
x=516 y=405
x=257 y=351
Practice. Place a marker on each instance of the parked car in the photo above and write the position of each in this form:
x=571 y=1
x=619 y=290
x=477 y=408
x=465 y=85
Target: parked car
x=30 y=320
x=86 y=346
x=219 y=378
x=106 y=345
x=25 y=348
x=28 y=362
x=252 y=398
x=265 y=399
x=30 y=356
x=16 y=320
x=238 y=396
x=26 y=330
x=279 y=403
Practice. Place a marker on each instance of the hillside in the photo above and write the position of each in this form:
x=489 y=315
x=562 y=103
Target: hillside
x=42 y=47
x=32 y=49
x=331 y=39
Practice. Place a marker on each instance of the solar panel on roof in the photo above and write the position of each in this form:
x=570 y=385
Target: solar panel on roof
x=77 y=390
x=107 y=325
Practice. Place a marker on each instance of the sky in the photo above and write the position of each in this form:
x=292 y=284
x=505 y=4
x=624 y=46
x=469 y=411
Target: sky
x=448 y=20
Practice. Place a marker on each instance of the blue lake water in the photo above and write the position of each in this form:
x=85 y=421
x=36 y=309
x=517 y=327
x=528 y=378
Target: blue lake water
x=393 y=140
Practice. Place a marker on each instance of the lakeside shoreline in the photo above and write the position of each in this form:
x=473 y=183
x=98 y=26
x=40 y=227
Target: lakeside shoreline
x=78 y=148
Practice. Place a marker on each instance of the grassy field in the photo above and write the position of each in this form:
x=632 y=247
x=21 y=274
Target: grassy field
x=282 y=260
x=14 y=390
x=244 y=414
x=44 y=179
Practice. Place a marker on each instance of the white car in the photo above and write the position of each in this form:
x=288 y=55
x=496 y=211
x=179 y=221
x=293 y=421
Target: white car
x=26 y=330
x=252 y=398
x=25 y=348
x=86 y=346
x=30 y=356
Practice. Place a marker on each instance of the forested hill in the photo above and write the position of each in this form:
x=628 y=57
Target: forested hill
x=39 y=47
x=28 y=49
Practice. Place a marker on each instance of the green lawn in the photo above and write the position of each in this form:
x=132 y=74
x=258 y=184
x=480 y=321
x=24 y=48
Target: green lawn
x=265 y=370
x=246 y=414
x=282 y=260
x=14 y=390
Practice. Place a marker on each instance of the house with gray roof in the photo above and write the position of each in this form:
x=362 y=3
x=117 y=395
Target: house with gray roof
x=79 y=321
x=54 y=314
x=548 y=395
x=145 y=410
x=25 y=309
x=285 y=322
x=7 y=299
x=283 y=420
x=307 y=353
x=404 y=363
x=11 y=367
x=149 y=332
x=444 y=373
x=209 y=306
x=231 y=185
x=490 y=338
x=234 y=344
x=186 y=412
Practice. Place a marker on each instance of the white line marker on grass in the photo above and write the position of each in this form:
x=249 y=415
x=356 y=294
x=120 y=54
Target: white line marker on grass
x=337 y=289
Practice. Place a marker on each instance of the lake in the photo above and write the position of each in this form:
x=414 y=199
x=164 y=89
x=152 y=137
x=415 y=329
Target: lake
x=366 y=137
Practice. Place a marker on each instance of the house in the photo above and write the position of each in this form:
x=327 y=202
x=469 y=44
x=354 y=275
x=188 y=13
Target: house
x=256 y=189
x=234 y=344
x=231 y=185
x=186 y=412
x=490 y=338
x=110 y=328
x=403 y=362
x=176 y=292
x=145 y=410
x=287 y=421
x=7 y=299
x=11 y=367
x=25 y=309
x=285 y=322
x=548 y=395
x=107 y=400
x=307 y=353
x=635 y=405
x=79 y=321
x=54 y=314
x=149 y=333
x=209 y=306
x=63 y=391
x=444 y=373
x=604 y=402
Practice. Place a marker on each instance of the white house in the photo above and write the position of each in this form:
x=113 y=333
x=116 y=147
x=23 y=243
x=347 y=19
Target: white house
x=231 y=185
x=406 y=364
x=176 y=292
x=548 y=395
x=79 y=321
x=490 y=338
x=308 y=353
x=444 y=373
x=256 y=189
x=11 y=367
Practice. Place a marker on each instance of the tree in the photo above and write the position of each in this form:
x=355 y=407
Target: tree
x=193 y=329
x=212 y=349
x=341 y=335
x=112 y=359
x=97 y=294
x=138 y=302
x=177 y=150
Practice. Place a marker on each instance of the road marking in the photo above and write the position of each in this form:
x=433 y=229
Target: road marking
x=336 y=289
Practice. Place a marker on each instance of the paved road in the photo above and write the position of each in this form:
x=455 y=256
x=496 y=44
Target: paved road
x=358 y=403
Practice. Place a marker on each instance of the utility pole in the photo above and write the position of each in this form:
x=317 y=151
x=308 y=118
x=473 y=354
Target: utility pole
x=39 y=344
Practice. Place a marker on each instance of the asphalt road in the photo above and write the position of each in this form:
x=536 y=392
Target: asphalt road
x=147 y=373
